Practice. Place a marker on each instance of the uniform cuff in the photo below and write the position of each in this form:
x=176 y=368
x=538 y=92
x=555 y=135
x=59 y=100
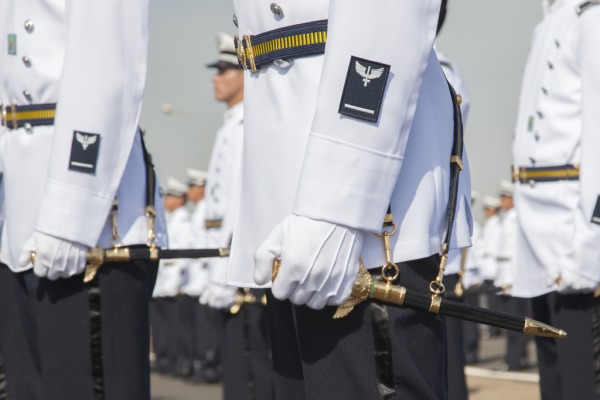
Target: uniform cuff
x=72 y=214
x=345 y=184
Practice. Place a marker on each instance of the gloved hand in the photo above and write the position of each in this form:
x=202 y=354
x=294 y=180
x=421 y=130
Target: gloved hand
x=572 y=282
x=219 y=296
x=319 y=261
x=54 y=258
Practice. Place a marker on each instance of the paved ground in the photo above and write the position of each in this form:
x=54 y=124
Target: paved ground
x=484 y=381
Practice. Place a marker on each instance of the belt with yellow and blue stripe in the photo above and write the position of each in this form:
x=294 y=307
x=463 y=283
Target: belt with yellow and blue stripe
x=15 y=117
x=289 y=42
x=531 y=175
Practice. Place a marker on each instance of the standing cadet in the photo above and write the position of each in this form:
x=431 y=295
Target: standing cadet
x=166 y=322
x=76 y=176
x=203 y=334
x=247 y=370
x=333 y=140
x=557 y=194
x=488 y=255
x=516 y=345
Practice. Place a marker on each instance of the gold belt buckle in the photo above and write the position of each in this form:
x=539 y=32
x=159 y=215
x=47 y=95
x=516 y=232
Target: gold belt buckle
x=245 y=52
x=3 y=115
x=520 y=175
x=14 y=116
x=241 y=52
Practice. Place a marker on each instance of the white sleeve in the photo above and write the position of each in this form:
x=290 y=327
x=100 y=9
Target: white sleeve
x=100 y=93
x=351 y=165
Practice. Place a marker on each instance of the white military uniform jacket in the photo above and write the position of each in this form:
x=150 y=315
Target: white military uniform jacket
x=90 y=58
x=559 y=123
x=505 y=274
x=223 y=187
x=172 y=274
x=488 y=247
x=197 y=273
x=301 y=156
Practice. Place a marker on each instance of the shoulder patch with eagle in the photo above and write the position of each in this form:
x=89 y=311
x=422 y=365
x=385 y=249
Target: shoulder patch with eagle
x=364 y=89
x=85 y=148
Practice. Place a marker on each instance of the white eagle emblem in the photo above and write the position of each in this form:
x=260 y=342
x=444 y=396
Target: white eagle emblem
x=85 y=140
x=367 y=73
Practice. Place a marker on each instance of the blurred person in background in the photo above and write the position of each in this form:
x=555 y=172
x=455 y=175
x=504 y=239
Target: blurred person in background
x=166 y=326
x=246 y=365
x=516 y=347
x=557 y=195
x=488 y=254
x=201 y=337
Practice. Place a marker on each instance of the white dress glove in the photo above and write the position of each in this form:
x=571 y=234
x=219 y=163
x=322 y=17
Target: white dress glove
x=319 y=261
x=572 y=282
x=219 y=296
x=54 y=258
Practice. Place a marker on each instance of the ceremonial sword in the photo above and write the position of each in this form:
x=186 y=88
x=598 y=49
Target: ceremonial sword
x=366 y=287
x=97 y=256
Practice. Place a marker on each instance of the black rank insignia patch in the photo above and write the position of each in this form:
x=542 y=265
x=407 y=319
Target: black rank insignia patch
x=84 y=152
x=596 y=215
x=363 y=90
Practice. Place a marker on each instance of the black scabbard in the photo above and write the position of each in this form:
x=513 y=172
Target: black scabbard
x=169 y=254
x=97 y=256
x=365 y=287
x=467 y=312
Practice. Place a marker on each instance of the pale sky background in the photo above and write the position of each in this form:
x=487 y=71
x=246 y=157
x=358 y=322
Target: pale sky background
x=487 y=40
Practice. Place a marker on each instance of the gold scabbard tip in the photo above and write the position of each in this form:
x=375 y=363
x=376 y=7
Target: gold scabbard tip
x=276 y=266
x=536 y=328
x=32 y=257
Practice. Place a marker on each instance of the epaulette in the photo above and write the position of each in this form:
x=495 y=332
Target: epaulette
x=580 y=9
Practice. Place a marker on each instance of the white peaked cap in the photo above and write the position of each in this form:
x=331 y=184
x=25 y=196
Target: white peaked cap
x=227 y=54
x=196 y=177
x=506 y=188
x=491 y=202
x=175 y=187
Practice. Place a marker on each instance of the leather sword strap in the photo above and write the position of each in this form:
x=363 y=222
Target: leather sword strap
x=150 y=174
x=456 y=165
